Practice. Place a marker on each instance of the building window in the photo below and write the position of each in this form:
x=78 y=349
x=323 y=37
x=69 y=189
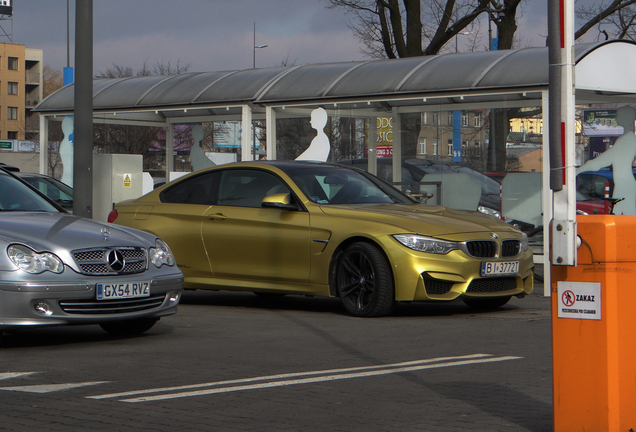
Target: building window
x=464 y=118
x=477 y=143
x=12 y=113
x=450 y=117
x=435 y=118
x=12 y=88
x=422 y=145
x=13 y=63
x=477 y=120
x=464 y=145
x=435 y=153
x=12 y=135
x=424 y=118
x=450 y=149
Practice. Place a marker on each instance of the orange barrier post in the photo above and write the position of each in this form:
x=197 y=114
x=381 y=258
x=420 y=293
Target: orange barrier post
x=594 y=329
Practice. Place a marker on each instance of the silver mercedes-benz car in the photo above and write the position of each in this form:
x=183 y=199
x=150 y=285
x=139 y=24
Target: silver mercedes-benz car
x=57 y=269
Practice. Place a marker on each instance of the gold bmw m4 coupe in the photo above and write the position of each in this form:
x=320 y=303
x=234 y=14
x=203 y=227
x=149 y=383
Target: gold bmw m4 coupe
x=321 y=229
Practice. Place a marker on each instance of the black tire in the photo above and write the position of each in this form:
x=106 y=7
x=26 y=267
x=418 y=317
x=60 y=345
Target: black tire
x=364 y=281
x=488 y=303
x=129 y=327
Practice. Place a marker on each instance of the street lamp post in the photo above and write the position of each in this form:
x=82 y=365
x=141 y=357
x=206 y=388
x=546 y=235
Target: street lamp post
x=255 y=48
x=462 y=33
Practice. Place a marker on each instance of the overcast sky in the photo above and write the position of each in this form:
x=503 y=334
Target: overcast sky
x=214 y=34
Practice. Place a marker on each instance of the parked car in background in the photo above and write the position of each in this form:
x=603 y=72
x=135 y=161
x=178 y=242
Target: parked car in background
x=585 y=204
x=321 y=229
x=59 y=192
x=413 y=170
x=56 y=268
x=9 y=167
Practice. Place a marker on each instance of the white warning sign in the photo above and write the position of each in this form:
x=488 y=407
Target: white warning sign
x=580 y=300
x=127 y=180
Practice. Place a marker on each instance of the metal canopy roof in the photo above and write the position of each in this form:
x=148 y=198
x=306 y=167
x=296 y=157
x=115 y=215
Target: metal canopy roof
x=481 y=76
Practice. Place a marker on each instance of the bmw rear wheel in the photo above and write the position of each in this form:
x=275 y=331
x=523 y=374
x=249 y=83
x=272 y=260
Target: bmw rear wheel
x=364 y=281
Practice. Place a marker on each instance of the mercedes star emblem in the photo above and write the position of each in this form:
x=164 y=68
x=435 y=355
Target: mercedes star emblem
x=116 y=260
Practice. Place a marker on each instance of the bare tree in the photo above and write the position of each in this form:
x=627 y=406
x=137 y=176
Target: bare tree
x=128 y=139
x=410 y=28
x=616 y=17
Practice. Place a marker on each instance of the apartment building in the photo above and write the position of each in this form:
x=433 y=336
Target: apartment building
x=21 y=86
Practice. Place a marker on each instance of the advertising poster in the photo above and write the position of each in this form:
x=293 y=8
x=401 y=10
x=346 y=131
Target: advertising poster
x=601 y=123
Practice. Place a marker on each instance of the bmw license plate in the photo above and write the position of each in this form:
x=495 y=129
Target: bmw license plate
x=106 y=291
x=496 y=268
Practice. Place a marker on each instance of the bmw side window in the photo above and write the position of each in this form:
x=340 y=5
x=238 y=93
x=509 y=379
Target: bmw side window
x=197 y=190
x=247 y=188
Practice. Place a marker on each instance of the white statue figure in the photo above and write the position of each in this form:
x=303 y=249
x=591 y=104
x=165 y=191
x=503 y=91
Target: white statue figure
x=198 y=159
x=66 y=151
x=621 y=157
x=319 y=148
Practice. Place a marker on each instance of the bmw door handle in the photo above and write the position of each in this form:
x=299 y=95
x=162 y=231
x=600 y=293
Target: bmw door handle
x=217 y=216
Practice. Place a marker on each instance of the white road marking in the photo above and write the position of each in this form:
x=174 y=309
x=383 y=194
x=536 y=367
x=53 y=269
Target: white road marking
x=49 y=388
x=315 y=380
x=288 y=375
x=326 y=375
x=7 y=375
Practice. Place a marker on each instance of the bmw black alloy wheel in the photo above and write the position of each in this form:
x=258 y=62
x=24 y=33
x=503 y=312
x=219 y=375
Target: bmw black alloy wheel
x=364 y=281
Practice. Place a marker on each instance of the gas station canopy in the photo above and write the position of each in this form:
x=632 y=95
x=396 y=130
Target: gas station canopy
x=604 y=73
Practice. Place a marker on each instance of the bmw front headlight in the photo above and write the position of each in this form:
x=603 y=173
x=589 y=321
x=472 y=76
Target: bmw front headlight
x=161 y=254
x=426 y=244
x=34 y=262
x=525 y=244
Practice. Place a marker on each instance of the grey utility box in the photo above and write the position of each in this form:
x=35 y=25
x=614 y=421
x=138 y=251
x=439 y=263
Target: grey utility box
x=116 y=177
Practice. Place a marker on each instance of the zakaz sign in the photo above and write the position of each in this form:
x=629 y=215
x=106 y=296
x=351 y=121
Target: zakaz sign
x=580 y=300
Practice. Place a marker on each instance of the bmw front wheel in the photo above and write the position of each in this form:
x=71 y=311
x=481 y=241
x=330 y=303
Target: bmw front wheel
x=364 y=281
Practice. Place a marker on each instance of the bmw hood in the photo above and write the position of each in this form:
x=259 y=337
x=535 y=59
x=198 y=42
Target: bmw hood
x=55 y=232
x=421 y=218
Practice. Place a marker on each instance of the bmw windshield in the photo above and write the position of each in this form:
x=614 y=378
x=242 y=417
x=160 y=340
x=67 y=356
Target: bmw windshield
x=336 y=185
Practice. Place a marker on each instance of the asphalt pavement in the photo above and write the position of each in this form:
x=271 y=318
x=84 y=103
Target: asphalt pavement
x=239 y=362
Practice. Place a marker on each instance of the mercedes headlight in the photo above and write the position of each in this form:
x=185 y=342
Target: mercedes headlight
x=489 y=211
x=161 y=254
x=34 y=262
x=426 y=244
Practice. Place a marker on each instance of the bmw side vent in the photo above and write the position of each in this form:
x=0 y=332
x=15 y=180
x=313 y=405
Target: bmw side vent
x=111 y=261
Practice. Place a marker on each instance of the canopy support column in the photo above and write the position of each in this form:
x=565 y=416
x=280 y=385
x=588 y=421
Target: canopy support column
x=397 y=146
x=270 y=131
x=372 y=157
x=169 y=150
x=246 y=134
x=44 y=144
